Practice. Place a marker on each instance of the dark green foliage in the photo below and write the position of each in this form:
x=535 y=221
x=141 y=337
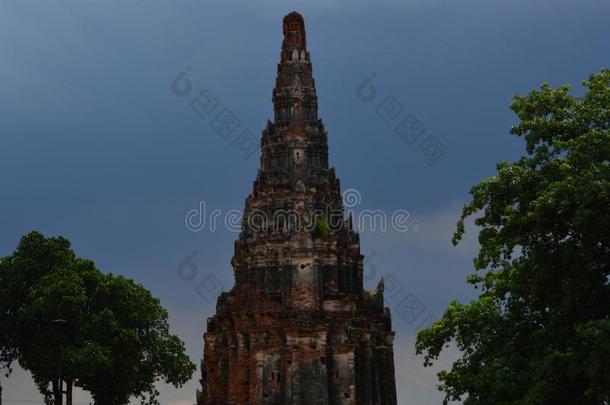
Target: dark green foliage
x=130 y=346
x=65 y=321
x=32 y=263
x=321 y=228
x=540 y=331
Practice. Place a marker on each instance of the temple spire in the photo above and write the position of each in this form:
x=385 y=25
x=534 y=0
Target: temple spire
x=294 y=32
x=294 y=96
x=297 y=328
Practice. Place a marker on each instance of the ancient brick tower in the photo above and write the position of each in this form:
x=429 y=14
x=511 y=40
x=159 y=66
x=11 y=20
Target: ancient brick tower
x=298 y=328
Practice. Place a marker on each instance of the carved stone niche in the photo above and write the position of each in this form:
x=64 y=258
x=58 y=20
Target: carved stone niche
x=304 y=270
x=298 y=155
x=304 y=294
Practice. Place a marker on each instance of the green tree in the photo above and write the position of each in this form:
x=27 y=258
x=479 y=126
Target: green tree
x=32 y=335
x=539 y=333
x=69 y=324
x=130 y=347
x=53 y=329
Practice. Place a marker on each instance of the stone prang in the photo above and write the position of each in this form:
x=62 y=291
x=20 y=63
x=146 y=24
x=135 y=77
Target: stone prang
x=298 y=327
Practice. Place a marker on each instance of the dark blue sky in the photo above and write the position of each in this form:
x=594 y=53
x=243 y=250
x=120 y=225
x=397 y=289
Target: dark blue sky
x=96 y=147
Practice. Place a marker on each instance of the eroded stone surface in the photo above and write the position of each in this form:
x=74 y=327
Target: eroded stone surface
x=297 y=328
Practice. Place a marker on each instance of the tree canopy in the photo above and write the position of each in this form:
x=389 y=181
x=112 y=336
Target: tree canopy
x=66 y=322
x=539 y=332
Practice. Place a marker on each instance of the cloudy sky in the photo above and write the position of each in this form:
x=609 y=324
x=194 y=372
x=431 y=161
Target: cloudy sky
x=95 y=146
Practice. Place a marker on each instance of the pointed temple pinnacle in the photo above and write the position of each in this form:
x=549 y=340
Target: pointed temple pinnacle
x=298 y=327
x=294 y=31
x=294 y=95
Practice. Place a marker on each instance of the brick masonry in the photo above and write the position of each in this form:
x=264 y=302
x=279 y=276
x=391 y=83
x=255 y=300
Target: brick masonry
x=298 y=327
